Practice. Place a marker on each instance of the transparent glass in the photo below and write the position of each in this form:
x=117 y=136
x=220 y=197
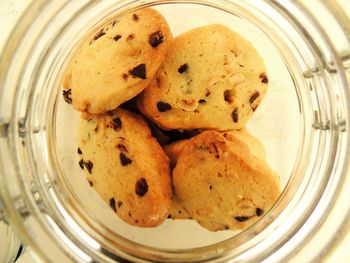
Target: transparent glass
x=303 y=124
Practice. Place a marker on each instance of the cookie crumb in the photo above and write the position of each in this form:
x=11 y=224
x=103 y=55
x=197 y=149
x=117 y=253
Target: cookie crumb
x=112 y=204
x=242 y=218
x=135 y=17
x=259 y=211
x=156 y=38
x=141 y=187
x=183 y=68
x=67 y=96
x=124 y=160
x=139 y=71
x=163 y=106
x=117 y=37
x=235 y=115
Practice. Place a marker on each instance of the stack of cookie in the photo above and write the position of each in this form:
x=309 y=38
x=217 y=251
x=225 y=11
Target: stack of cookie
x=139 y=89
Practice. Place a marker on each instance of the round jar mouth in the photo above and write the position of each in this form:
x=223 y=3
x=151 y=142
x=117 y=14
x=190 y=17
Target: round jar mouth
x=304 y=123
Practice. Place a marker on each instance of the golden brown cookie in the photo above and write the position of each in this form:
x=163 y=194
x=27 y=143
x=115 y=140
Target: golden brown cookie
x=211 y=78
x=118 y=62
x=126 y=166
x=221 y=184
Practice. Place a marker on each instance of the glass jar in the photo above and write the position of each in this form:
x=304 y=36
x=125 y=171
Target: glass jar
x=303 y=124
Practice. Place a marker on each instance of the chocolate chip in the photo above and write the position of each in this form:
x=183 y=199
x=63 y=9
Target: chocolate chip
x=163 y=106
x=114 y=22
x=183 y=68
x=125 y=76
x=136 y=221
x=89 y=165
x=79 y=151
x=202 y=101
x=81 y=164
x=91 y=183
x=210 y=187
x=254 y=97
x=264 y=78
x=124 y=160
x=242 y=218
x=67 y=96
x=112 y=204
x=117 y=124
x=130 y=37
x=259 y=211
x=228 y=96
x=156 y=38
x=234 y=115
x=122 y=147
x=207 y=93
x=179 y=211
x=129 y=214
x=117 y=37
x=169 y=216
x=120 y=203
x=141 y=187
x=99 y=34
x=241 y=65
x=139 y=71
x=135 y=17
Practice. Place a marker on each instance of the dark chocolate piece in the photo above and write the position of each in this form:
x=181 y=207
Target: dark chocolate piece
x=112 y=204
x=135 y=17
x=89 y=165
x=91 y=183
x=141 y=187
x=156 y=38
x=264 y=78
x=254 y=97
x=99 y=34
x=202 y=101
x=79 y=151
x=117 y=124
x=124 y=160
x=81 y=164
x=67 y=96
x=120 y=203
x=259 y=211
x=242 y=218
x=183 y=68
x=117 y=37
x=234 y=115
x=163 y=106
x=139 y=71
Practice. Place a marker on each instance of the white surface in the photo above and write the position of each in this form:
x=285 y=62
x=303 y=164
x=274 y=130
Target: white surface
x=9 y=12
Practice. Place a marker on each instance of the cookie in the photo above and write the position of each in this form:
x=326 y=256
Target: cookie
x=126 y=166
x=173 y=150
x=211 y=78
x=118 y=61
x=221 y=184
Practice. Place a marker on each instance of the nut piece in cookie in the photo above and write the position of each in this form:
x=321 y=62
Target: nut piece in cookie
x=126 y=166
x=211 y=78
x=118 y=61
x=222 y=183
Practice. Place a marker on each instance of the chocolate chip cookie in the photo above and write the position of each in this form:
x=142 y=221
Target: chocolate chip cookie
x=126 y=166
x=117 y=62
x=211 y=78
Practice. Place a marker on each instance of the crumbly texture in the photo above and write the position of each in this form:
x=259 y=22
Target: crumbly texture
x=211 y=78
x=118 y=62
x=221 y=184
x=126 y=166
